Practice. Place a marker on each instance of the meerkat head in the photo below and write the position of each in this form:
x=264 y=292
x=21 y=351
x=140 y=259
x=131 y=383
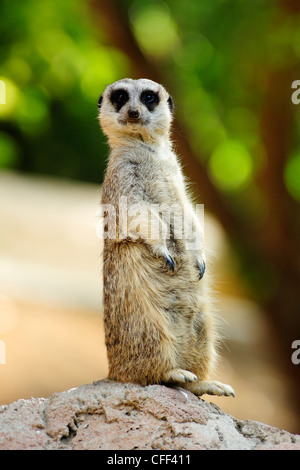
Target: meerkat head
x=138 y=109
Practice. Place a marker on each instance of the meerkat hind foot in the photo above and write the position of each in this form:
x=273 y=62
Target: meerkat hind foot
x=179 y=376
x=211 y=388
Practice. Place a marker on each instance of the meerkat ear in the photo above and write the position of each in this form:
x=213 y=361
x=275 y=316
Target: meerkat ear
x=171 y=104
x=100 y=101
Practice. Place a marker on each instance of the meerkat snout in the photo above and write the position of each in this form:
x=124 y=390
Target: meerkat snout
x=133 y=114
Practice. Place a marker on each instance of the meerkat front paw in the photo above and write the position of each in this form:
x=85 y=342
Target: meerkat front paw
x=201 y=267
x=169 y=262
x=179 y=376
x=161 y=250
x=211 y=388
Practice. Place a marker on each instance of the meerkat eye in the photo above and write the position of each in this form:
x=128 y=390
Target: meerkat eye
x=118 y=98
x=150 y=99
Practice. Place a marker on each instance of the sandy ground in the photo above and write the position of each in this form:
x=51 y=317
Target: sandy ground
x=51 y=331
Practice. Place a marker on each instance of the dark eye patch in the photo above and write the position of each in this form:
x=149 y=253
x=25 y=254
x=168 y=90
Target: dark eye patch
x=118 y=98
x=171 y=104
x=150 y=99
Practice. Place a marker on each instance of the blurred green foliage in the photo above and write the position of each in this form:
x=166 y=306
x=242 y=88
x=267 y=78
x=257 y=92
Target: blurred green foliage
x=292 y=176
x=54 y=66
x=55 y=61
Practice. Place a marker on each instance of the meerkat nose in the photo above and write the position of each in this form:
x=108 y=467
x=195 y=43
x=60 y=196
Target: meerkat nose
x=133 y=114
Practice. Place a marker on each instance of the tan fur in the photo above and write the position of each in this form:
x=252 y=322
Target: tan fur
x=159 y=326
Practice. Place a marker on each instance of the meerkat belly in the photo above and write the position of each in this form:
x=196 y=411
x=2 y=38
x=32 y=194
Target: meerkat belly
x=146 y=300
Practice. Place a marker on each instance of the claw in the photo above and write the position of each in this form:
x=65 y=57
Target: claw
x=170 y=263
x=201 y=270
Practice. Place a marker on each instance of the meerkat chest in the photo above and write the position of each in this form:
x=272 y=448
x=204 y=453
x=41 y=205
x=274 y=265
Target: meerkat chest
x=149 y=173
x=172 y=178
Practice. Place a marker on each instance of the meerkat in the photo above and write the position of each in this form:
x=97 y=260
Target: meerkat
x=159 y=326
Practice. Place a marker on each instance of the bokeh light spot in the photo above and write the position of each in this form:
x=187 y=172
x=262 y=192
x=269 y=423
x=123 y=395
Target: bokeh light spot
x=230 y=166
x=11 y=98
x=154 y=28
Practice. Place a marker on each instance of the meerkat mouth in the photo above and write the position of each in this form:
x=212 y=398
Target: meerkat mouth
x=133 y=122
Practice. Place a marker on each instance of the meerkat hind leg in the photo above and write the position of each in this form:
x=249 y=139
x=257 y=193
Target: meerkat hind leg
x=179 y=376
x=210 y=388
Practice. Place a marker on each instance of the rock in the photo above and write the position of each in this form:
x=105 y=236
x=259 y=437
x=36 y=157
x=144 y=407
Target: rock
x=113 y=416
